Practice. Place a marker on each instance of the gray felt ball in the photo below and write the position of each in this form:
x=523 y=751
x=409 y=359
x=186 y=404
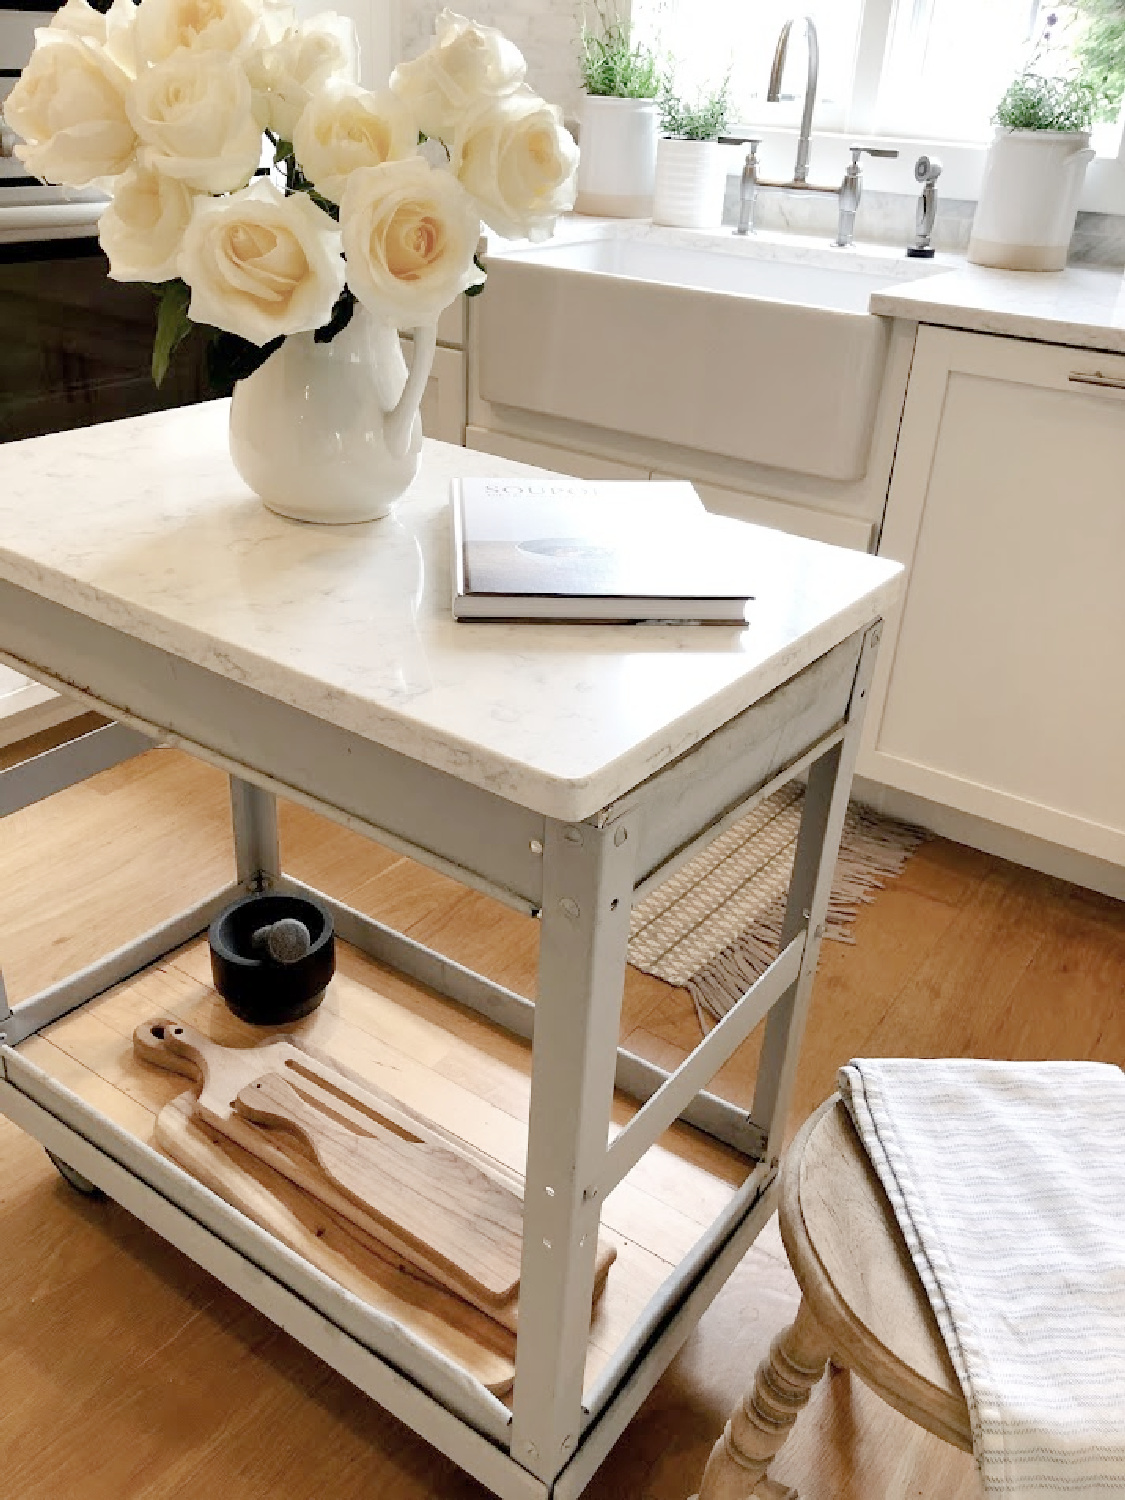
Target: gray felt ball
x=288 y=940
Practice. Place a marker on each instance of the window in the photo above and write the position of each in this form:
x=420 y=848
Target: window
x=931 y=70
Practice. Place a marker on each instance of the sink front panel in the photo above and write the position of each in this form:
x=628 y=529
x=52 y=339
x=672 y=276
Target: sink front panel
x=761 y=380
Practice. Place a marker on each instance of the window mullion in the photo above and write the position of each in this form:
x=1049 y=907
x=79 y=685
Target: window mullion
x=870 y=56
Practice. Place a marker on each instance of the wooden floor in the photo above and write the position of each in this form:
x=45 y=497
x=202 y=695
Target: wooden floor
x=126 y=1372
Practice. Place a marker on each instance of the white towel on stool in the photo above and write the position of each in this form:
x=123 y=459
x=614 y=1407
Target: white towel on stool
x=1008 y=1182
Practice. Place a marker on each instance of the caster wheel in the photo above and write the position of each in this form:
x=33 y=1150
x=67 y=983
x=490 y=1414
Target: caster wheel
x=79 y=1183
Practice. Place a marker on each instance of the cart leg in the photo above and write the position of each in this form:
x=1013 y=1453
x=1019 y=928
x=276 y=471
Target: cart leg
x=818 y=844
x=254 y=815
x=587 y=894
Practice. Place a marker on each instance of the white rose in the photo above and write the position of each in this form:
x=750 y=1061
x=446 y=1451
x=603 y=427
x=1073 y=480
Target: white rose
x=194 y=117
x=261 y=264
x=294 y=69
x=344 y=128
x=410 y=233
x=465 y=64
x=165 y=25
x=113 y=31
x=143 y=228
x=518 y=161
x=69 y=107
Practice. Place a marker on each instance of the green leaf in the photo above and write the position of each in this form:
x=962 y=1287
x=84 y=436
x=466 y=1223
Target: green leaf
x=341 y=317
x=172 y=326
x=475 y=291
x=231 y=358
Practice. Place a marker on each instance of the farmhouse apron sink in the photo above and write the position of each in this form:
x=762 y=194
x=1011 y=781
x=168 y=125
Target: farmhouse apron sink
x=755 y=350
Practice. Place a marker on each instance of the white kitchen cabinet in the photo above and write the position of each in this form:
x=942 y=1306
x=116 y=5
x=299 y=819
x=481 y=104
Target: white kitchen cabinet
x=26 y=707
x=546 y=456
x=443 y=400
x=800 y=520
x=1000 y=689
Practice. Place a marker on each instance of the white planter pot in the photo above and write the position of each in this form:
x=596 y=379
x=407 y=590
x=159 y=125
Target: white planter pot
x=1029 y=199
x=331 y=432
x=617 y=164
x=691 y=178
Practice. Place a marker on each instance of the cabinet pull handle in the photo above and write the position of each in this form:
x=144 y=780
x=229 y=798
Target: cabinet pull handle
x=1097 y=378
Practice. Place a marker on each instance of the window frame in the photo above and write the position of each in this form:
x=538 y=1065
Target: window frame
x=962 y=161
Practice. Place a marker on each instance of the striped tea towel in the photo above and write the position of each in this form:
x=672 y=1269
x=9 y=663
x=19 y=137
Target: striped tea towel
x=1008 y=1182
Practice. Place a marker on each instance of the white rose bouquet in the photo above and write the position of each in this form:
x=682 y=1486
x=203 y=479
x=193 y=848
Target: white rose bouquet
x=260 y=191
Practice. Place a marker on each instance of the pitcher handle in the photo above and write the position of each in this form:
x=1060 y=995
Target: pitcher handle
x=398 y=423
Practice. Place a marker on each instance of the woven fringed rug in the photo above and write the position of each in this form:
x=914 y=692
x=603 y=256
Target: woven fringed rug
x=715 y=925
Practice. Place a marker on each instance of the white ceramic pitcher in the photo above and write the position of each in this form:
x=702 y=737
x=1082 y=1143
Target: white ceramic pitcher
x=331 y=432
x=1029 y=199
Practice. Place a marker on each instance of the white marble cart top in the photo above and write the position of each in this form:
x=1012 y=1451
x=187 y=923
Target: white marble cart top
x=145 y=526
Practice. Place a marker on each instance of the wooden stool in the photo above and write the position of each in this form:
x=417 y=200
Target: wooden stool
x=862 y=1306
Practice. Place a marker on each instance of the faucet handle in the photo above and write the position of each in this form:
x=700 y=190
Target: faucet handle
x=889 y=152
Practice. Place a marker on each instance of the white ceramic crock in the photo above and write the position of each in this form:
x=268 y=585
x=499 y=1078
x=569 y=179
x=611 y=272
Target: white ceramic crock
x=1029 y=199
x=617 y=165
x=691 y=179
x=331 y=432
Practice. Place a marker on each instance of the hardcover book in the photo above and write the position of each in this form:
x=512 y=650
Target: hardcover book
x=596 y=551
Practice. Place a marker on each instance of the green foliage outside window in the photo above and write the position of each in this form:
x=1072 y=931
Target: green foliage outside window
x=1100 y=51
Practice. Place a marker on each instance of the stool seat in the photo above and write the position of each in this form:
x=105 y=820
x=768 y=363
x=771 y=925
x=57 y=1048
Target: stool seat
x=863 y=1307
x=854 y=1270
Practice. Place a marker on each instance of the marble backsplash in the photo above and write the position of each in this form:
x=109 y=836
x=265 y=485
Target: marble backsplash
x=888 y=218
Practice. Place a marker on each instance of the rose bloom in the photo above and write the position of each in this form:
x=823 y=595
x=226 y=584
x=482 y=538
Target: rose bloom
x=410 y=233
x=113 y=31
x=465 y=64
x=164 y=25
x=344 y=128
x=261 y=264
x=297 y=66
x=194 y=117
x=69 y=107
x=143 y=228
x=518 y=161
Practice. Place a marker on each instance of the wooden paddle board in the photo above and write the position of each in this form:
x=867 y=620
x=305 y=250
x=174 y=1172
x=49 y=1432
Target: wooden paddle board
x=363 y=1265
x=399 y=1178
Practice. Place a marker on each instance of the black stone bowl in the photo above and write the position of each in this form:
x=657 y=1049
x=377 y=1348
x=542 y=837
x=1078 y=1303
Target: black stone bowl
x=256 y=986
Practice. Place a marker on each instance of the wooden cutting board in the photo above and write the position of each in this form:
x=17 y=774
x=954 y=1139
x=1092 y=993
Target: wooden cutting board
x=436 y=1200
x=398 y=1177
x=363 y=1265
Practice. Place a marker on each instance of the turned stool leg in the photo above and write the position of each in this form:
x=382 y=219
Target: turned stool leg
x=759 y=1426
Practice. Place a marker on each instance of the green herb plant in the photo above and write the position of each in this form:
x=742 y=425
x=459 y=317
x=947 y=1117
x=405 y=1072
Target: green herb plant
x=704 y=119
x=1036 y=102
x=613 y=64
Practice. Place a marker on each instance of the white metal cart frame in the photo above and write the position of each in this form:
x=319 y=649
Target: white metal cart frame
x=581 y=878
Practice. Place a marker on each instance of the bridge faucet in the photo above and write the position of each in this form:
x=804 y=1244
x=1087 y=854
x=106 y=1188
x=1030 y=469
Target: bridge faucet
x=773 y=93
x=851 y=190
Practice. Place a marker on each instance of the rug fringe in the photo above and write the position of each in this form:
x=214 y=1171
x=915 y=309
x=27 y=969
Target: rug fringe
x=873 y=850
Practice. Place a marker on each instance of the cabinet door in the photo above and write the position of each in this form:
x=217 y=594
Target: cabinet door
x=443 y=400
x=1001 y=682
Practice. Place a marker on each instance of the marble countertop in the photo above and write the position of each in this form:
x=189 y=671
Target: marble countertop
x=144 y=525
x=1082 y=305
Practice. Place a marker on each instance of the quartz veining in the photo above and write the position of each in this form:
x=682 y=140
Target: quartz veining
x=144 y=525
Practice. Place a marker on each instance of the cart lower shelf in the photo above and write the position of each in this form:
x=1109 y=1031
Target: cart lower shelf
x=466 y=1075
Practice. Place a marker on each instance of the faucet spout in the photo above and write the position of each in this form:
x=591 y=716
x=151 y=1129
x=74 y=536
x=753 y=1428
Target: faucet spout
x=773 y=94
